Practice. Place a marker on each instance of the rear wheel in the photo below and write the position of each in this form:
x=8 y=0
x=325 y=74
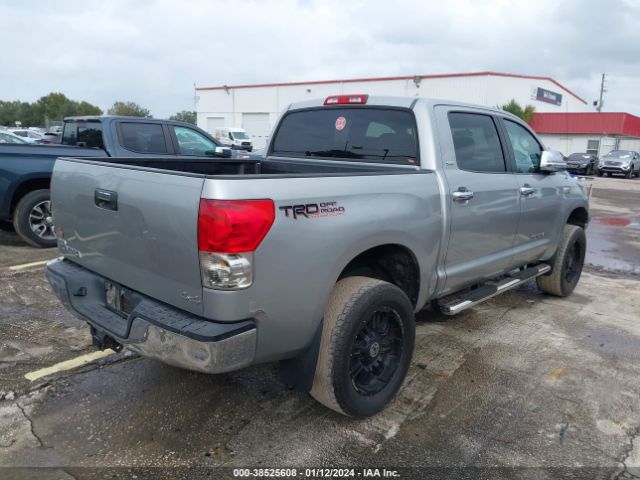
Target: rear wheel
x=366 y=347
x=33 y=221
x=567 y=265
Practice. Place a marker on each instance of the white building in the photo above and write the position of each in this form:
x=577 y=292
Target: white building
x=591 y=132
x=257 y=107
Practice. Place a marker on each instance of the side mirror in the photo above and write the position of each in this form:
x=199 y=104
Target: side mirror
x=552 y=161
x=220 y=152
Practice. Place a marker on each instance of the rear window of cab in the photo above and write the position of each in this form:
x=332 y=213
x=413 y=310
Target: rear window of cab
x=369 y=134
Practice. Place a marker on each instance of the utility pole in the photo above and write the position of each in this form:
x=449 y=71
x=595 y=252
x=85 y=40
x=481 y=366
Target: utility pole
x=602 y=90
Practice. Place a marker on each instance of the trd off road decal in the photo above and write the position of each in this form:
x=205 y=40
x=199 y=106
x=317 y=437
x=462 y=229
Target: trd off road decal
x=313 y=210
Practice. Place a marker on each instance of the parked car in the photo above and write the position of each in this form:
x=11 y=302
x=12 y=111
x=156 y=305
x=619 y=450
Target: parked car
x=51 y=138
x=30 y=136
x=625 y=162
x=25 y=170
x=8 y=137
x=236 y=138
x=584 y=163
x=364 y=210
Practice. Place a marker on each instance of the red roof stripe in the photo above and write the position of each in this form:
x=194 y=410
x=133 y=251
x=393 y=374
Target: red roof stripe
x=599 y=123
x=378 y=79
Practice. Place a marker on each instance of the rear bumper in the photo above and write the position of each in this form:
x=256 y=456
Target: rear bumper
x=154 y=329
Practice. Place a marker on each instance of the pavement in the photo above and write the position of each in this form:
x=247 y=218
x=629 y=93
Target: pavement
x=522 y=386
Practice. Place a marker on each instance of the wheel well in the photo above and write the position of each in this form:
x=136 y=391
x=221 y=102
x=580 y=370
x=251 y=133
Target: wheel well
x=579 y=217
x=26 y=187
x=392 y=263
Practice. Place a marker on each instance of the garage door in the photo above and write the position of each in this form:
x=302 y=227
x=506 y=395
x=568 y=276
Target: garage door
x=258 y=126
x=213 y=123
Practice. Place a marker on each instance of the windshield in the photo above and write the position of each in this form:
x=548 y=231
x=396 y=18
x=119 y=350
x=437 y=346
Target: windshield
x=579 y=156
x=7 y=138
x=619 y=154
x=363 y=134
x=239 y=135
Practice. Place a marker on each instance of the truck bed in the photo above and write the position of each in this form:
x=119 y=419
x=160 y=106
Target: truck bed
x=207 y=166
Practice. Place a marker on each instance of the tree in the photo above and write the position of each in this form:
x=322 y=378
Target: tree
x=129 y=109
x=184 y=116
x=52 y=107
x=525 y=113
x=85 y=108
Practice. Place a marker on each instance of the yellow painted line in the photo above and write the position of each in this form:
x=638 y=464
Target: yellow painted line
x=28 y=265
x=69 y=364
x=555 y=375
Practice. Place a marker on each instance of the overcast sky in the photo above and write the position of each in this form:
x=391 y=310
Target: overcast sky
x=152 y=52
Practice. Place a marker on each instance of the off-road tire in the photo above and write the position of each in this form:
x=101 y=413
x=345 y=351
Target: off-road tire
x=560 y=282
x=352 y=303
x=21 y=219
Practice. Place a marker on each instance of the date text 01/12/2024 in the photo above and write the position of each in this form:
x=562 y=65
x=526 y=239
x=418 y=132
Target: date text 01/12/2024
x=315 y=473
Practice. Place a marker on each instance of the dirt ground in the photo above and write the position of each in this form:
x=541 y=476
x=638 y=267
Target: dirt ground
x=522 y=386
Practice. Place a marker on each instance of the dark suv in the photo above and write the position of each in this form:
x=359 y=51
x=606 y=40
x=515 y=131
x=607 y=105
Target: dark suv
x=584 y=163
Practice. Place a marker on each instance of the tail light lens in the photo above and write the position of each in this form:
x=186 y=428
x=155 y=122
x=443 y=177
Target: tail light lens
x=229 y=231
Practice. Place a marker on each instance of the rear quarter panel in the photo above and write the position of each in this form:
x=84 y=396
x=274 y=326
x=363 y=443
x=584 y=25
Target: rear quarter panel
x=299 y=261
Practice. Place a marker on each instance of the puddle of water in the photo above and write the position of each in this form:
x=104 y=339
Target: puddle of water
x=612 y=243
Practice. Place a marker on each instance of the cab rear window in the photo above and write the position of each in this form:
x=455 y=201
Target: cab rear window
x=83 y=134
x=379 y=135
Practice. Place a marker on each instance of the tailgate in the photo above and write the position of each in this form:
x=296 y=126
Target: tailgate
x=135 y=227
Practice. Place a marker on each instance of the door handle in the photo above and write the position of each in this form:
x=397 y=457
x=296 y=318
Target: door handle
x=462 y=195
x=105 y=199
x=527 y=190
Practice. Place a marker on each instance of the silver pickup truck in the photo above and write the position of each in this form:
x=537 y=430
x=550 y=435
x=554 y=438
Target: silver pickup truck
x=363 y=211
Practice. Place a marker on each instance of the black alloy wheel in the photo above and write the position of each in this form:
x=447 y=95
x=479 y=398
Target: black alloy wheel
x=376 y=351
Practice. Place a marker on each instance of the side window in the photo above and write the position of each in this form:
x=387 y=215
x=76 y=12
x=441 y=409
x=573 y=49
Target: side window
x=143 y=137
x=476 y=143
x=191 y=142
x=526 y=149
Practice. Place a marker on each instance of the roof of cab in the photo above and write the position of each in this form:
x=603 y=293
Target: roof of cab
x=390 y=101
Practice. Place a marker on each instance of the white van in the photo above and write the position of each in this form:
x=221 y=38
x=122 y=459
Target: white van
x=236 y=138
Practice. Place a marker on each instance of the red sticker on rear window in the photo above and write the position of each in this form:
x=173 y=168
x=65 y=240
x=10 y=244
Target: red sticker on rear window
x=341 y=122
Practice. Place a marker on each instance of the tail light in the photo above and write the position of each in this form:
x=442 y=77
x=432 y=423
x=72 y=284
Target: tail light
x=346 y=99
x=229 y=231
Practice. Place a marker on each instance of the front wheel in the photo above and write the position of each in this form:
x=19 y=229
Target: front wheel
x=566 y=267
x=33 y=221
x=600 y=173
x=368 y=335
